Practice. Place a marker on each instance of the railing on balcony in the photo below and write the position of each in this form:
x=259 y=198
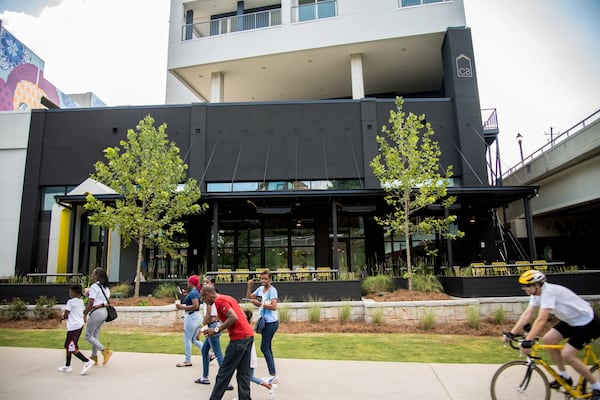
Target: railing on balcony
x=312 y=11
x=414 y=3
x=236 y=23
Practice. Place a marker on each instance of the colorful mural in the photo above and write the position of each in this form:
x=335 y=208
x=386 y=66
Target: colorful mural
x=22 y=82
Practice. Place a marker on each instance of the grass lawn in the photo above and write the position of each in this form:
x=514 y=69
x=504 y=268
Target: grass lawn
x=423 y=348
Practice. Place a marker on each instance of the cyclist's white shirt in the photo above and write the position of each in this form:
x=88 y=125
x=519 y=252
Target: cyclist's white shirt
x=565 y=304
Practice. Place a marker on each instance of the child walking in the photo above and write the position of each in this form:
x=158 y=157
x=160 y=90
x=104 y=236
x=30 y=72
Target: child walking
x=74 y=316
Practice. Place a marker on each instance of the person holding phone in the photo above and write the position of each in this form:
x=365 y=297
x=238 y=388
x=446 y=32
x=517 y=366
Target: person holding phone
x=191 y=322
x=265 y=298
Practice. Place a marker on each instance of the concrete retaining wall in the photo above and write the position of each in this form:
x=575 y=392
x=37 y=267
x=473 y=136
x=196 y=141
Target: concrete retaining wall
x=393 y=313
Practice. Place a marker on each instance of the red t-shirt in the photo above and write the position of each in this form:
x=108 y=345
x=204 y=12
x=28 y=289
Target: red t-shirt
x=240 y=329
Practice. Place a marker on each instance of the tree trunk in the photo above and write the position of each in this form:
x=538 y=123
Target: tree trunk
x=409 y=271
x=138 y=268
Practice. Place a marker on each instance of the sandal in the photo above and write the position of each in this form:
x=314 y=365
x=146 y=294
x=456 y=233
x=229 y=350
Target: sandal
x=203 y=381
x=184 y=364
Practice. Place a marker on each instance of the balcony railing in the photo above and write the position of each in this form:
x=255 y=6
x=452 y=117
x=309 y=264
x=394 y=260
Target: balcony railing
x=312 y=11
x=236 y=23
x=414 y=3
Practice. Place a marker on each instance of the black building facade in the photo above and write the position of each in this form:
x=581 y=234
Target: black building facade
x=287 y=183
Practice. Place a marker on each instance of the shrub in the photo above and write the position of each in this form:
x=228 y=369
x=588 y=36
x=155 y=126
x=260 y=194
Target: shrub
x=377 y=317
x=377 y=284
x=166 y=290
x=143 y=302
x=314 y=313
x=284 y=313
x=427 y=283
x=498 y=317
x=344 y=313
x=121 y=290
x=44 y=308
x=427 y=320
x=473 y=317
x=16 y=309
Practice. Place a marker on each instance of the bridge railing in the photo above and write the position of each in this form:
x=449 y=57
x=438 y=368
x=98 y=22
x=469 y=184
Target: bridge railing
x=563 y=136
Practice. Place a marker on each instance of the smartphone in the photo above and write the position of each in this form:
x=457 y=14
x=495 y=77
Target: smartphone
x=246 y=300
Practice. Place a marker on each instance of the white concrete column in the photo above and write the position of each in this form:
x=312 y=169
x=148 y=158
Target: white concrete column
x=356 y=72
x=216 y=87
x=286 y=12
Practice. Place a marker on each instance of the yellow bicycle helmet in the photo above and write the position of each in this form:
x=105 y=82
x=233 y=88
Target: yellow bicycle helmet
x=531 y=277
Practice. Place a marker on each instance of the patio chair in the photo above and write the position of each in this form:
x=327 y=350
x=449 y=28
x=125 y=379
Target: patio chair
x=302 y=274
x=522 y=266
x=241 y=277
x=477 y=269
x=283 y=274
x=223 y=275
x=499 y=268
x=323 y=273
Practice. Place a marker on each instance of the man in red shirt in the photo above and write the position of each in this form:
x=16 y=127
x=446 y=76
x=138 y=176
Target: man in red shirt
x=241 y=338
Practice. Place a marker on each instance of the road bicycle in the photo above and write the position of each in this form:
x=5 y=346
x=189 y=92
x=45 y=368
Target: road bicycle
x=525 y=379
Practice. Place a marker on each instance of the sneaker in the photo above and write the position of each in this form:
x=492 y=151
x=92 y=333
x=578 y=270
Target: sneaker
x=106 y=353
x=86 y=367
x=272 y=391
x=64 y=368
x=595 y=394
x=95 y=359
x=272 y=379
x=203 y=381
x=555 y=385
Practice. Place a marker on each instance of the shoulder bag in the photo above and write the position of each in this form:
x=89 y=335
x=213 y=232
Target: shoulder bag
x=111 y=312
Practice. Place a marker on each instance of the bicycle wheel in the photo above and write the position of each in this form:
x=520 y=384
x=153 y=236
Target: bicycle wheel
x=510 y=383
x=595 y=370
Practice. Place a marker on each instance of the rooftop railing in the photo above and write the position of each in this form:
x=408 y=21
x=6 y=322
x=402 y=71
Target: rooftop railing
x=236 y=23
x=563 y=136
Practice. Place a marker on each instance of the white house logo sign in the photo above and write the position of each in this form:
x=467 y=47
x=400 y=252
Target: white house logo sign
x=463 y=67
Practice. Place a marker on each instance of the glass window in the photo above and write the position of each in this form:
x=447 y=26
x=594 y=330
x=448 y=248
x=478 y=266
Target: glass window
x=218 y=187
x=48 y=194
x=245 y=186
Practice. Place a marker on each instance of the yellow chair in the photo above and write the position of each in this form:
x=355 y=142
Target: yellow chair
x=540 y=265
x=302 y=274
x=223 y=275
x=477 y=269
x=499 y=268
x=241 y=277
x=522 y=266
x=323 y=273
x=283 y=274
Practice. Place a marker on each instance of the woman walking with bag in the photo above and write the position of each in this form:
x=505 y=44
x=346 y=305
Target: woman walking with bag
x=265 y=297
x=95 y=314
x=192 y=321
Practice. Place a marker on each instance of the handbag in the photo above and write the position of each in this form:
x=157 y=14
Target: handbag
x=260 y=325
x=111 y=312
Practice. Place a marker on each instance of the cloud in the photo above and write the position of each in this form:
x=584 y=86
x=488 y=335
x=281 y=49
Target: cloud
x=29 y=7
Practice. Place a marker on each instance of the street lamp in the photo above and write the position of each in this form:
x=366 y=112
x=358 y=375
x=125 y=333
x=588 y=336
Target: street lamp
x=520 y=141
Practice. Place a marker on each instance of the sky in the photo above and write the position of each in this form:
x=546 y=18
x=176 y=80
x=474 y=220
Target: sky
x=537 y=61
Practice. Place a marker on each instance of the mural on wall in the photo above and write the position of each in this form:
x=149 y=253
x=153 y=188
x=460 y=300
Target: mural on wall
x=22 y=82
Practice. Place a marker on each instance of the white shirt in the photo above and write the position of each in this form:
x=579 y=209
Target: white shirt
x=564 y=304
x=96 y=294
x=75 y=307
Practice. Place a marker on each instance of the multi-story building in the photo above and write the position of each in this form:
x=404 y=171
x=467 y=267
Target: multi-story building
x=287 y=98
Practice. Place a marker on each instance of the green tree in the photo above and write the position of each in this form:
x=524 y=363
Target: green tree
x=408 y=168
x=151 y=177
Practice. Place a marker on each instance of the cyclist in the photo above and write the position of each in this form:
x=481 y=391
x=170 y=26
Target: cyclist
x=577 y=323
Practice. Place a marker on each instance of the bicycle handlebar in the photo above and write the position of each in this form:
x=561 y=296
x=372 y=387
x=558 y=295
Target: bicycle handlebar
x=515 y=340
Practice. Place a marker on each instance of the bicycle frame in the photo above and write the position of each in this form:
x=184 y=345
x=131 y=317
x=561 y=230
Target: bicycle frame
x=575 y=390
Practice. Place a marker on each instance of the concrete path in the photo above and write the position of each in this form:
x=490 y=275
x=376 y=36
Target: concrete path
x=31 y=374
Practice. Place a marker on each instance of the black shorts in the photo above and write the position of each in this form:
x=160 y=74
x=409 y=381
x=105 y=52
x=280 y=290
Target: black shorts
x=579 y=336
x=72 y=340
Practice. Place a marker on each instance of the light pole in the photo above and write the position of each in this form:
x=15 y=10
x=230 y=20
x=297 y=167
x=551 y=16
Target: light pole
x=520 y=141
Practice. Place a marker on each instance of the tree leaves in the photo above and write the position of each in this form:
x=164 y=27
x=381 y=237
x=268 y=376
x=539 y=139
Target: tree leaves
x=148 y=172
x=408 y=169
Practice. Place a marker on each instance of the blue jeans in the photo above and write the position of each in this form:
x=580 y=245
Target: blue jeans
x=265 y=345
x=237 y=358
x=191 y=326
x=214 y=343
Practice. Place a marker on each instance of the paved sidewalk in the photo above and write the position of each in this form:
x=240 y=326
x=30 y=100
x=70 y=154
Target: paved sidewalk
x=30 y=374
